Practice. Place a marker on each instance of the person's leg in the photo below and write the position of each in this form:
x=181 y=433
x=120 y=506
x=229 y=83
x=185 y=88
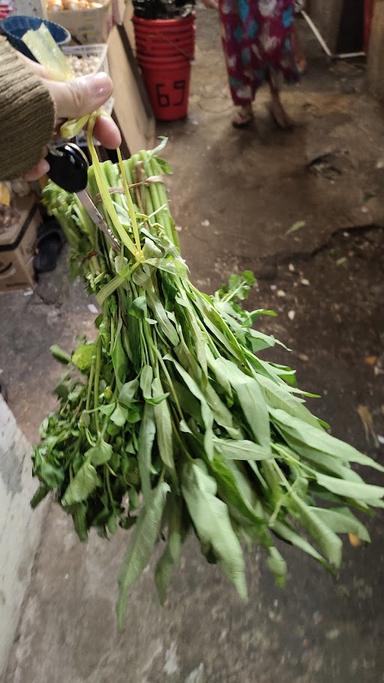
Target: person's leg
x=300 y=59
x=277 y=110
x=236 y=54
x=243 y=116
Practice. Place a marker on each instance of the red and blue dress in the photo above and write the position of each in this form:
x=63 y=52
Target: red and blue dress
x=257 y=41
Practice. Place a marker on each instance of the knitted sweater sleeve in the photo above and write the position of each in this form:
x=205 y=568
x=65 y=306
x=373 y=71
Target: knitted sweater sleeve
x=27 y=114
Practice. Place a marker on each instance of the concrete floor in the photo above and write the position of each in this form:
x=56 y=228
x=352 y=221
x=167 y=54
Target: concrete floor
x=235 y=196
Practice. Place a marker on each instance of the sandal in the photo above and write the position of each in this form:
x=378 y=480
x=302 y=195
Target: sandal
x=242 y=119
x=50 y=241
x=280 y=116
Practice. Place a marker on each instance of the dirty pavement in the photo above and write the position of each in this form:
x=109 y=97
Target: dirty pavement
x=305 y=211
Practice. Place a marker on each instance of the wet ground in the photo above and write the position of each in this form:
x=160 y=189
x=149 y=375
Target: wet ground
x=314 y=236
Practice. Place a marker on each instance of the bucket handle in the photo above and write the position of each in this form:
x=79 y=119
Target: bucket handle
x=170 y=42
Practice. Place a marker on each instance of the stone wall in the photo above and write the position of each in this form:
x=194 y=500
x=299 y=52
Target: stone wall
x=19 y=527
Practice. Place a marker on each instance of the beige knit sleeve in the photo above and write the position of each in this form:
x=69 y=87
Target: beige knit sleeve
x=27 y=114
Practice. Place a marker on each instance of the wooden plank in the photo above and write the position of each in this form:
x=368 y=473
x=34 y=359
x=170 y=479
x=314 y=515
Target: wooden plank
x=376 y=52
x=131 y=108
x=327 y=15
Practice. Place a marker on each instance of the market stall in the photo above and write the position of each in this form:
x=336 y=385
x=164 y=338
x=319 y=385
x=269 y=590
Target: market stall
x=94 y=36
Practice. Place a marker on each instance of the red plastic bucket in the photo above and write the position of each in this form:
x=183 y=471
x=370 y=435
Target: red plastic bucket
x=147 y=49
x=164 y=25
x=167 y=37
x=165 y=49
x=167 y=81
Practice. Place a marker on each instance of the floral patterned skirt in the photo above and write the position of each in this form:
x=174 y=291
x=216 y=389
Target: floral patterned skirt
x=257 y=42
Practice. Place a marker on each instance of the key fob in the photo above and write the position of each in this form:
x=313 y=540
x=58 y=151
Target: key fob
x=68 y=167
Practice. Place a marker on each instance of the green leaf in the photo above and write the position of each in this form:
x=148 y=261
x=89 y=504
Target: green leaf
x=39 y=495
x=59 y=354
x=318 y=438
x=99 y=454
x=139 y=307
x=79 y=515
x=251 y=400
x=234 y=488
x=51 y=475
x=260 y=341
x=279 y=396
x=329 y=544
x=171 y=555
x=82 y=485
x=206 y=412
x=83 y=356
x=146 y=439
x=211 y=520
x=342 y=521
x=239 y=285
x=350 y=489
x=296 y=226
x=155 y=401
x=144 y=537
x=241 y=450
x=119 y=361
x=128 y=392
x=288 y=534
x=162 y=318
x=107 y=409
x=146 y=377
x=119 y=415
x=221 y=414
x=219 y=372
x=163 y=426
x=277 y=565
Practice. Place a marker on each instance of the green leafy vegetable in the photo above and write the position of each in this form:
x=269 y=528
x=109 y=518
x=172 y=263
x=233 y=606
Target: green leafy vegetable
x=174 y=423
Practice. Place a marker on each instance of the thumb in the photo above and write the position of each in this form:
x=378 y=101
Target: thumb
x=81 y=96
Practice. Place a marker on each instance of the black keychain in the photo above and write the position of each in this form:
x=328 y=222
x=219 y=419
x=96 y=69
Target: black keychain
x=68 y=168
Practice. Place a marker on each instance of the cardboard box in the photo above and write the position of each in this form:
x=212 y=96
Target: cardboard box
x=17 y=247
x=88 y=25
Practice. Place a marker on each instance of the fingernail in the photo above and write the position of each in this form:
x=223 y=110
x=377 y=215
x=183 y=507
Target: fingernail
x=102 y=85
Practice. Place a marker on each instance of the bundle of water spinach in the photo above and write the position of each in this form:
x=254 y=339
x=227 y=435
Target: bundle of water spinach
x=168 y=422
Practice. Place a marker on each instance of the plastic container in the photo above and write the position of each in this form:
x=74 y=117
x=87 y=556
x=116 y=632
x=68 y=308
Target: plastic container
x=167 y=81
x=167 y=25
x=99 y=50
x=187 y=51
x=152 y=45
x=165 y=49
x=15 y=26
x=165 y=36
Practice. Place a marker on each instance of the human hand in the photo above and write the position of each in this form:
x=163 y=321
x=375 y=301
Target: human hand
x=211 y=4
x=74 y=99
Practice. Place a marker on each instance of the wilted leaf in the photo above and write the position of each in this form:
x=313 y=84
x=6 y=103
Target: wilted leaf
x=211 y=520
x=144 y=538
x=82 y=485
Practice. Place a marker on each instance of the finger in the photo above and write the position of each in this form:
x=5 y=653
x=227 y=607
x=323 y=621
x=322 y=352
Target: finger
x=41 y=168
x=37 y=68
x=81 y=96
x=107 y=132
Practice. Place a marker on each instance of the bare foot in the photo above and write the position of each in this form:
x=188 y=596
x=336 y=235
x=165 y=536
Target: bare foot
x=279 y=115
x=243 y=117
